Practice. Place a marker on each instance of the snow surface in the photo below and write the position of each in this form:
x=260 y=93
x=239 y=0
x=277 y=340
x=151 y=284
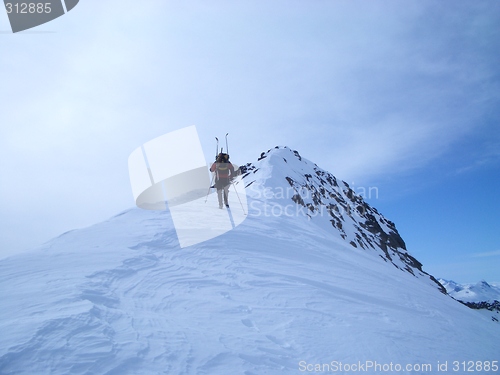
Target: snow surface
x=272 y=296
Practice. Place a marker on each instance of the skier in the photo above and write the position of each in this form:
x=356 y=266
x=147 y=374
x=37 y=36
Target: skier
x=224 y=172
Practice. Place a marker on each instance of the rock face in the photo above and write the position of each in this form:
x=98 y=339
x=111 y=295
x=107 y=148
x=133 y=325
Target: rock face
x=319 y=196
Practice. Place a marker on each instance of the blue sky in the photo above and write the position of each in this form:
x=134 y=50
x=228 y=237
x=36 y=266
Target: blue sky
x=404 y=98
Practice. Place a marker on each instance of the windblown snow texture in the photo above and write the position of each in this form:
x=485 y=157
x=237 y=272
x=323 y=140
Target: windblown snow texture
x=276 y=293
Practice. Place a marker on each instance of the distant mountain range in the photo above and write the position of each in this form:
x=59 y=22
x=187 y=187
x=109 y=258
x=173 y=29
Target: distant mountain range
x=479 y=296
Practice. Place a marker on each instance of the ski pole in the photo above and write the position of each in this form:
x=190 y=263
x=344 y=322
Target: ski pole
x=236 y=191
x=216 y=147
x=227 y=148
x=209 y=187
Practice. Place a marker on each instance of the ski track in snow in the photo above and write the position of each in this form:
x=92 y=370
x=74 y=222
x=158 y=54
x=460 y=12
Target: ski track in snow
x=121 y=297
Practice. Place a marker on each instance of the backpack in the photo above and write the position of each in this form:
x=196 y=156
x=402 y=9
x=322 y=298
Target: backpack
x=222 y=164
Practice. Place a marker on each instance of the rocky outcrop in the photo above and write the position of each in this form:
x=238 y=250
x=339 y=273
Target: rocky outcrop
x=323 y=197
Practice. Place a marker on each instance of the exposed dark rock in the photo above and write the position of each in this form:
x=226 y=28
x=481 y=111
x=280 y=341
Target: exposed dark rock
x=298 y=199
x=321 y=193
x=297 y=155
x=490 y=306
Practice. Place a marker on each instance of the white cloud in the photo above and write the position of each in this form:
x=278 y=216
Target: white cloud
x=360 y=88
x=486 y=254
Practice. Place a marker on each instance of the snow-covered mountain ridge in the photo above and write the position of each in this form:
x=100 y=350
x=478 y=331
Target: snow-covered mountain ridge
x=480 y=296
x=331 y=203
x=278 y=294
x=479 y=292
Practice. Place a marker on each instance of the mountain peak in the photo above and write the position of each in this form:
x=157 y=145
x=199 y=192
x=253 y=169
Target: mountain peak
x=483 y=284
x=281 y=176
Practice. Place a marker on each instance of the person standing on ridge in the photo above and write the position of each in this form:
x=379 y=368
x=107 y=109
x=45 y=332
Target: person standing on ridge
x=224 y=171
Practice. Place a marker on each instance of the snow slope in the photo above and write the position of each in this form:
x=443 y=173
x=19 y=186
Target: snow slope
x=279 y=294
